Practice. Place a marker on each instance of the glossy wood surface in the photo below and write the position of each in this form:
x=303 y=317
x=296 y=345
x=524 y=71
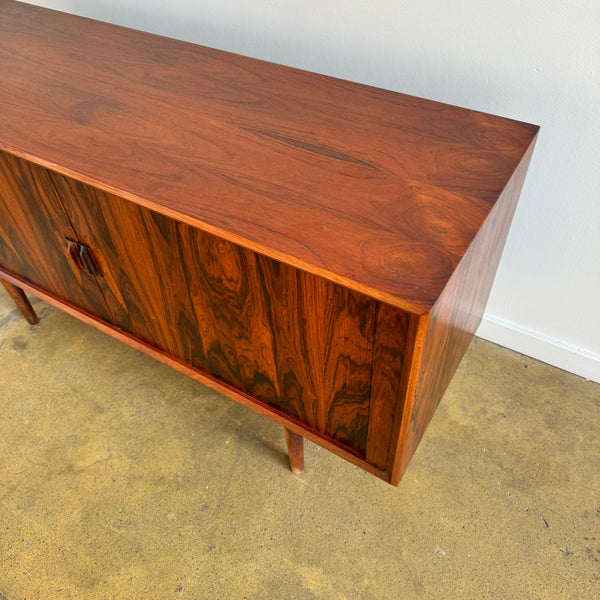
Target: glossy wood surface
x=293 y=340
x=456 y=317
x=259 y=407
x=390 y=351
x=33 y=236
x=379 y=191
x=317 y=250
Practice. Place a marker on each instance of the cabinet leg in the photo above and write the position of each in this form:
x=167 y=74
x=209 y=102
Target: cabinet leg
x=21 y=300
x=295 y=446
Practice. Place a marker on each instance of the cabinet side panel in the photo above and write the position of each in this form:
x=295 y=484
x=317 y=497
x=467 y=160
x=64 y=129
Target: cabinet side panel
x=33 y=233
x=386 y=394
x=458 y=312
x=283 y=336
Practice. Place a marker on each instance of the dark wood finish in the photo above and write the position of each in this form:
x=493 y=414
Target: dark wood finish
x=387 y=399
x=288 y=338
x=317 y=250
x=380 y=191
x=417 y=331
x=295 y=446
x=259 y=407
x=22 y=302
x=33 y=236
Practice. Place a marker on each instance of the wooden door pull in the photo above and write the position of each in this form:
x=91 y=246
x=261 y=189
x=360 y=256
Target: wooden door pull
x=89 y=261
x=73 y=253
x=83 y=257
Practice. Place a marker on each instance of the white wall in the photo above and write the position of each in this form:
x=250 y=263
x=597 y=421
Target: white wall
x=536 y=61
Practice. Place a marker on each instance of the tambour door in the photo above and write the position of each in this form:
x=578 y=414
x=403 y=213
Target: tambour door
x=289 y=338
x=35 y=237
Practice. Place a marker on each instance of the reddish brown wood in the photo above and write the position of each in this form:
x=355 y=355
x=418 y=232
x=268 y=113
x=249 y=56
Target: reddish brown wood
x=390 y=351
x=456 y=316
x=417 y=330
x=89 y=261
x=288 y=338
x=73 y=253
x=376 y=190
x=259 y=407
x=33 y=236
x=22 y=302
x=295 y=446
x=315 y=249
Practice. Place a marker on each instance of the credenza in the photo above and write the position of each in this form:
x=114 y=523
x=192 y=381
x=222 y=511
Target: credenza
x=319 y=250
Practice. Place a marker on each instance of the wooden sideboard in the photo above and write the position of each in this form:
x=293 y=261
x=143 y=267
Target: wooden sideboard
x=318 y=250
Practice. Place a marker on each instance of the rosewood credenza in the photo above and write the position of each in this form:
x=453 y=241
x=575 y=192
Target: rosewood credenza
x=318 y=250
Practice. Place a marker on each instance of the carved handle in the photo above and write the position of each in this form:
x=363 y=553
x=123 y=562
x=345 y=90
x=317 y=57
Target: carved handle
x=83 y=258
x=73 y=253
x=89 y=261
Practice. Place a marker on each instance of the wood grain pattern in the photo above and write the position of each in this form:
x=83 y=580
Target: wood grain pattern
x=293 y=340
x=457 y=314
x=416 y=335
x=318 y=250
x=33 y=234
x=390 y=351
x=256 y=405
x=376 y=190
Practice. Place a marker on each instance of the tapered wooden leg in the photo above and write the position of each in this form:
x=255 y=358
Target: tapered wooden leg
x=21 y=300
x=295 y=446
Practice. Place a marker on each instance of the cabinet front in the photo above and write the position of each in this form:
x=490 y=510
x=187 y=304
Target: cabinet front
x=286 y=337
x=35 y=236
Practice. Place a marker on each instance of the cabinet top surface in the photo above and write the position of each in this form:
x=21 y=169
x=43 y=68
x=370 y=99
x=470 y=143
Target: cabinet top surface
x=381 y=191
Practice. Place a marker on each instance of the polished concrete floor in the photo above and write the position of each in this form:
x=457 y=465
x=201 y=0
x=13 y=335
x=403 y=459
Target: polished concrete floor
x=120 y=478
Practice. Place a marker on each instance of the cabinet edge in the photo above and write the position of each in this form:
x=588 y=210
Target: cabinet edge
x=367 y=290
x=453 y=321
x=417 y=331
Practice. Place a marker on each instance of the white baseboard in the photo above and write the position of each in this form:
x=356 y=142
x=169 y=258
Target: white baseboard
x=542 y=347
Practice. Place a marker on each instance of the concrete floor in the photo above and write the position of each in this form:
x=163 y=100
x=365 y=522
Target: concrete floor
x=120 y=478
